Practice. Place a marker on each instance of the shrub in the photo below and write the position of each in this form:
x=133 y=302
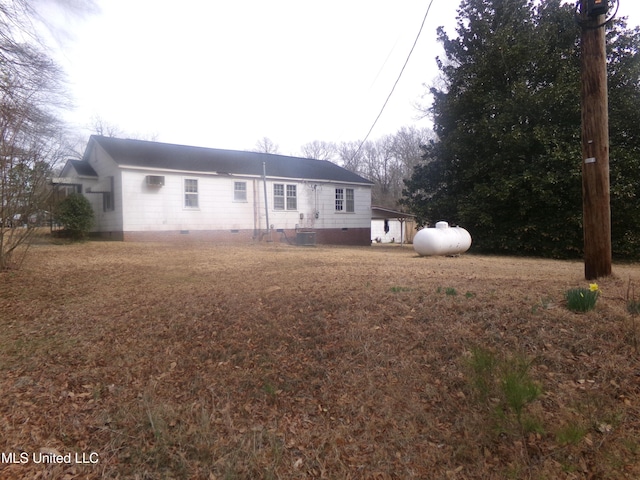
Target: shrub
x=76 y=215
x=633 y=307
x=582 y=299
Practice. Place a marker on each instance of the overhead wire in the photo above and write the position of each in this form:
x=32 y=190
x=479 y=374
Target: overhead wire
x=415 y=42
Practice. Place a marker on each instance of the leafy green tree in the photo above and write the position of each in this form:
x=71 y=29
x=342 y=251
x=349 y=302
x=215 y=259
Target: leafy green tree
x=75 y=214
x=623 y=48
x=507 y=161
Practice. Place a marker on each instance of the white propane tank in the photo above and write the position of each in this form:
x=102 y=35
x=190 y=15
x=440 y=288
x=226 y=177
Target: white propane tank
x=442 y=240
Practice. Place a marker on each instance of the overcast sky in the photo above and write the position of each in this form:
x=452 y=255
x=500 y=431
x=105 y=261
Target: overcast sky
x=226 y=74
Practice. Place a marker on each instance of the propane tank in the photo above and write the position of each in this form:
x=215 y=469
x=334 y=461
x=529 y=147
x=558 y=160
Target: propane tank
x=441 y=240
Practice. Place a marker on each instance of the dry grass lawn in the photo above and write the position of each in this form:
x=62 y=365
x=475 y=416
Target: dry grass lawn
x=269 y=361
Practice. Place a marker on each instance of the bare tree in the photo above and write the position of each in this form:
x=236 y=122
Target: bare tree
x=75 y=7
x=31 y=136
x=266 y=145
x=101 y=127
x=383 y=168
x=351 y=157
x=387 y=161
x=319 y=150
x=407 y=146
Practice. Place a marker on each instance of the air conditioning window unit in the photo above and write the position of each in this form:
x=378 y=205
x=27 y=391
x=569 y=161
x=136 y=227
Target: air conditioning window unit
x=155 y=180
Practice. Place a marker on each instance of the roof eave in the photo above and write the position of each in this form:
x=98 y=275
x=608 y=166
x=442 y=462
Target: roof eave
x=241 y=175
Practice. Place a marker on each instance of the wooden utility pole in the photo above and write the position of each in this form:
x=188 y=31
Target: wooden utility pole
x=595 y=147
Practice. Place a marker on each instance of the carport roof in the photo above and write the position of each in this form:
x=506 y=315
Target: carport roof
x=164 y=156
x=378 y=213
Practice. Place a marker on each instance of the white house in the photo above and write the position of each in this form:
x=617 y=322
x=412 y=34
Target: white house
x=144 y=190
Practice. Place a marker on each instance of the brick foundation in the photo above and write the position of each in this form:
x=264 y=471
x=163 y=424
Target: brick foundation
x=336 y=236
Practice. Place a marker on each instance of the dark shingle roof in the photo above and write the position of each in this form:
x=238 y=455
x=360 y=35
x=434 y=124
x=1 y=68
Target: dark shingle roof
x=83 y=168
x=139 y=153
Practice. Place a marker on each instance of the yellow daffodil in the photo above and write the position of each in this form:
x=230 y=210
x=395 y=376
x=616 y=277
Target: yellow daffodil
x=593 y=287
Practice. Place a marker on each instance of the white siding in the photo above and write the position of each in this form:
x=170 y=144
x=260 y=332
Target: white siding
x=395 y=231
x=104 y=221
x=162 y=208
x=330 y=218
x=316 y=203
x=139 y=207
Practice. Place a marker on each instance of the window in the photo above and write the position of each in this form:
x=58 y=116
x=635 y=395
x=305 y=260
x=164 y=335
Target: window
x=190 y=193
x=107 y=202
x=278 y=196
x=107 y=198
x=345 y=200
x=292 y=199
x=280 y=201
x=339 y=199
x=240 y=191
x=350 y=200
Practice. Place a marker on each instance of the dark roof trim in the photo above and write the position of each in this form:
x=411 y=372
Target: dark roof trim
x=182 y=158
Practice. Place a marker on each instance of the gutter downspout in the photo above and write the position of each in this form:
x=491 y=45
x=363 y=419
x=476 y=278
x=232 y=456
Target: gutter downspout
x=266 y=205
x=256 y=212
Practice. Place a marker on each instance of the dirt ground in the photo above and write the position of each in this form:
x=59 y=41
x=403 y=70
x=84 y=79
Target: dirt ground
x=269 y=361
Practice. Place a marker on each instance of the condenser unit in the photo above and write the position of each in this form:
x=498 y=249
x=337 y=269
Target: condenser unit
x=306 y=238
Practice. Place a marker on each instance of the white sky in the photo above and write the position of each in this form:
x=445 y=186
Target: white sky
x=225 y=74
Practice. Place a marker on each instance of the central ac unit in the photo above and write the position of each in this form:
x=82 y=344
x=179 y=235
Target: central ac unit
x=306 y=238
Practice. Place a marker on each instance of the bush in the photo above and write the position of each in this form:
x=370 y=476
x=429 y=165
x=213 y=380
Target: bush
x=582 y=299
x=76 y=215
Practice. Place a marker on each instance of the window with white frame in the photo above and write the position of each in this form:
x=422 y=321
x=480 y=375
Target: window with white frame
x=239 y=191
x=292 y=197
x=190 y=193
x=278 y=196
x=285 y=196
x=350 y=200
x=345 y=200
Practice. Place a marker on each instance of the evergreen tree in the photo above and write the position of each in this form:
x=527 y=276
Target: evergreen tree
x=507 y=162
x=623 y=48
x=75 y=214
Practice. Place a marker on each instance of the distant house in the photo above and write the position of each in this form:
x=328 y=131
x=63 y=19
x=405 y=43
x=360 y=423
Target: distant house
x=144 y=190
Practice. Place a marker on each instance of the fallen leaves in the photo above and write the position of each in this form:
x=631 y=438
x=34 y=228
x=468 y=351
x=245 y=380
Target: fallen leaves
x=264 y=361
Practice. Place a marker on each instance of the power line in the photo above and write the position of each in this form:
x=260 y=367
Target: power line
x=396 y=82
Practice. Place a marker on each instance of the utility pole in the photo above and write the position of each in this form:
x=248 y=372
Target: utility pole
x=595 y=141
